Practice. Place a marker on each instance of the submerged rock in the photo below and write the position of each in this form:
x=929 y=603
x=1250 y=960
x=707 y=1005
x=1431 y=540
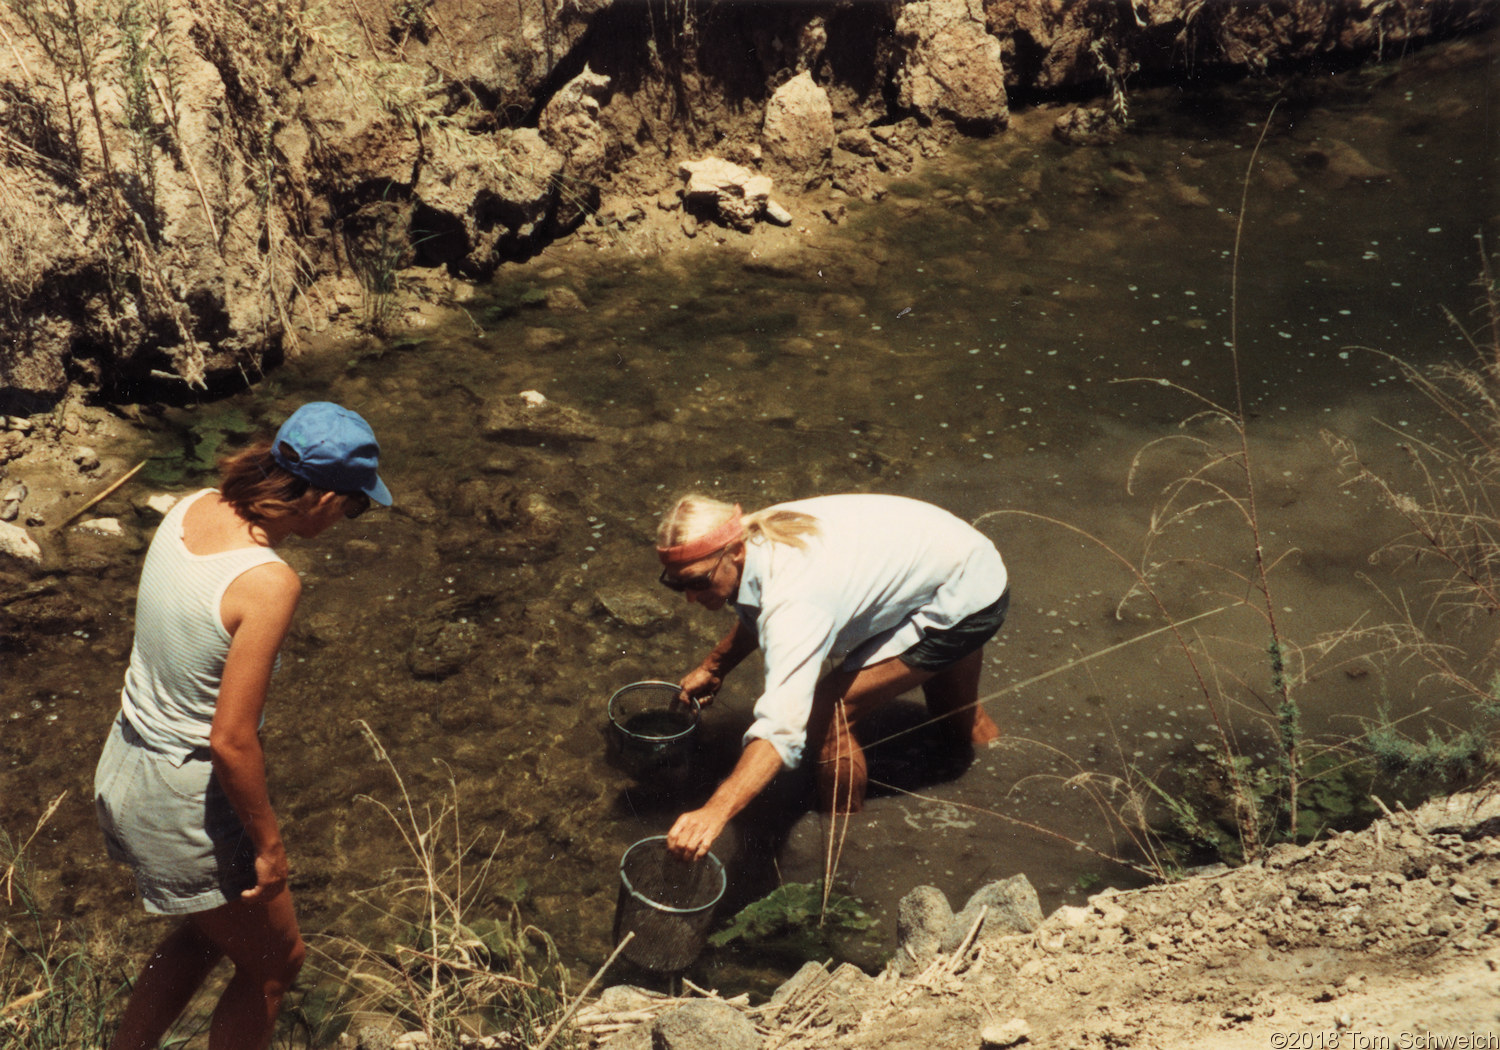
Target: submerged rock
x=524 y=420
x=1087 y=126
x=634 y=607
x=102 y=526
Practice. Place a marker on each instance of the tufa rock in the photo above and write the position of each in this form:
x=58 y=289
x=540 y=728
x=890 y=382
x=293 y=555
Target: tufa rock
x=951 y=67
x=798 y=130
x=570 y=124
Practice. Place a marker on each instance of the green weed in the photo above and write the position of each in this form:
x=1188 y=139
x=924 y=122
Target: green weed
x=795 y=919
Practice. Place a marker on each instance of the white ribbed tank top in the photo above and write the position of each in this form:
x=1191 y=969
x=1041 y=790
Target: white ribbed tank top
x=177 y=660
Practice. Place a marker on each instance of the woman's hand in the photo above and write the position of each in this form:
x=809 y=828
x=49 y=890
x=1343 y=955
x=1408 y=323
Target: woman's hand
x=271 y=874
x=699 y=684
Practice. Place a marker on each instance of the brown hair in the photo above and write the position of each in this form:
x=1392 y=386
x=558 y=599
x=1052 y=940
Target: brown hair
x=695 y=515
x=259 y=488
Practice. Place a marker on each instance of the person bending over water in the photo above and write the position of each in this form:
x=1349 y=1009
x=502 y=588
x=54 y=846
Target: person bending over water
x=901 y=593
x=180 y=790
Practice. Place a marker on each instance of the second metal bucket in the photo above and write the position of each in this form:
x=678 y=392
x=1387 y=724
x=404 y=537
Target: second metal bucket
x=667 y=903
x=650 y=731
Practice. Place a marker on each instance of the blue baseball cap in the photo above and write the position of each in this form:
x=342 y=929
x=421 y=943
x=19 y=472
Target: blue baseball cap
x=333 y=448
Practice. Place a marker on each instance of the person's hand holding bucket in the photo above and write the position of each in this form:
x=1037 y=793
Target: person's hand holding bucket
x=700 y=684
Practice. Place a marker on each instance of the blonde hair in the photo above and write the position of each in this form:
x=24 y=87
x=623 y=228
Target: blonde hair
x=695 y=515
x=260 y=489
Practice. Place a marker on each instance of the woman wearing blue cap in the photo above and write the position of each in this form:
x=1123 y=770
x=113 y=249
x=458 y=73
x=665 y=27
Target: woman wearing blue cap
x=181 y=787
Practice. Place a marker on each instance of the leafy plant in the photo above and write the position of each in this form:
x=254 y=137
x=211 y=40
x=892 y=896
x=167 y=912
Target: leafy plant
x=795 y=918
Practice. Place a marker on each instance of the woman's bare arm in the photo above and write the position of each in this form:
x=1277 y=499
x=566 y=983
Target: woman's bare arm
x=257 y=610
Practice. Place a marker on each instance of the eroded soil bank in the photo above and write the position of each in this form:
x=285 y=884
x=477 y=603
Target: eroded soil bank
x=188 y=187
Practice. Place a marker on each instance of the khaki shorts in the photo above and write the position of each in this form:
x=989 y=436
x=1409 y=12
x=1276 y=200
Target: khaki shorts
x=173 y=824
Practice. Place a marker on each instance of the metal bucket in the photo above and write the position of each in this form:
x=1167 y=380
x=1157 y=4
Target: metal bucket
x=668 y=903
x=650 y=731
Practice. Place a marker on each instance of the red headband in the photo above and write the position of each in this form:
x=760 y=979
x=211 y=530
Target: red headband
x=723 y=536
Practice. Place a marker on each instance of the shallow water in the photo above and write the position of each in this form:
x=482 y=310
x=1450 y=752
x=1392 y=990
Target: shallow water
x=1002 y=336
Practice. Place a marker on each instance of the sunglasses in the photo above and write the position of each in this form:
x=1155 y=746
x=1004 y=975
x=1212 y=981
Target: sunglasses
x=701 y=582
x=355 y=504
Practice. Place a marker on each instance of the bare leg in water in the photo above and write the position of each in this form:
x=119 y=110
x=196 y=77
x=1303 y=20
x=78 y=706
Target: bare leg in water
x=843 y=698
x=261 y=939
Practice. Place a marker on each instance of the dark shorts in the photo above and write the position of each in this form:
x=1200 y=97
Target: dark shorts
x=941 y=648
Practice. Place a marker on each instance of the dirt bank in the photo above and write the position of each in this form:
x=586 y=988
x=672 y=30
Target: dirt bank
x=1384 y=938
x=190 y=188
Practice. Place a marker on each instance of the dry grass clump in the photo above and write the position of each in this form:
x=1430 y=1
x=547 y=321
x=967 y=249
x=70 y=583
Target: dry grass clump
x=455 y=968
x=1450 y=502
x=58 y=984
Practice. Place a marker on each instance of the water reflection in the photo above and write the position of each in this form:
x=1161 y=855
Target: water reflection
x=960 y=343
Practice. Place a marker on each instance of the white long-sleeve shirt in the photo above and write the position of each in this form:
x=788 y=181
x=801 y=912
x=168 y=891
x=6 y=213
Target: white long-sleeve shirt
x=879 y=571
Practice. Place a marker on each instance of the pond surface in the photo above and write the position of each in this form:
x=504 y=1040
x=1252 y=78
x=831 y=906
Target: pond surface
x=965 y=342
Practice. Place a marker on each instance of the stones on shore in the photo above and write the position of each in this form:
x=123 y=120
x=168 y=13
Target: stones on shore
x=10 y=503
x=709 y=1024
x=797 y=133
x=926 y=926
x=723 y=191
x=922 y=919
x=999 y=1036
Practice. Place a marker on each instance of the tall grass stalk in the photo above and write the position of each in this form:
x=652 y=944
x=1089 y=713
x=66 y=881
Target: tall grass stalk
x=454 y=971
